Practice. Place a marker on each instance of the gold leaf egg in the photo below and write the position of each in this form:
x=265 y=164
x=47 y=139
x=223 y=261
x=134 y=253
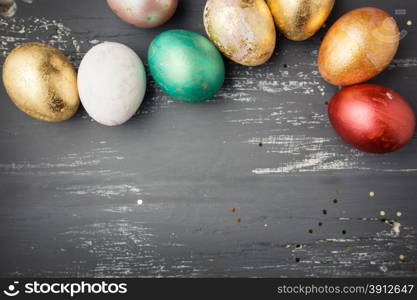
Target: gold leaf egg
x=299 y=20
x=41 y=82
x=243 y=30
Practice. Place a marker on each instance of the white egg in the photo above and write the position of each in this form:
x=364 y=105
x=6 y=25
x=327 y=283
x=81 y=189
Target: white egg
x=111 y=83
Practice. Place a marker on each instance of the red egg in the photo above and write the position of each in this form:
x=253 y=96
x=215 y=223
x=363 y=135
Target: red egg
x=372 y=118
x=144 y=13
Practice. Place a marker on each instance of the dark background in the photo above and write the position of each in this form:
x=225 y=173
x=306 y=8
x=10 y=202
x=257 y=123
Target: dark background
x=69 y=192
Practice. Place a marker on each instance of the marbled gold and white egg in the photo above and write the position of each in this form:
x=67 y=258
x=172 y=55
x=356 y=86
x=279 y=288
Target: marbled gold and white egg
x=243 y=30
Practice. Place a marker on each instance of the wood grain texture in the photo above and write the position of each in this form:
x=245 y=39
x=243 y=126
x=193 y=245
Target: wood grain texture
x=153 y=197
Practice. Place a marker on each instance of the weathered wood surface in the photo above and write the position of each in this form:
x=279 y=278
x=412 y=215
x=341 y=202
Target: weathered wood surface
x=69 y=192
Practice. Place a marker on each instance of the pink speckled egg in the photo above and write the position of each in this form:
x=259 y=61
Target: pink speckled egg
x=144 y=13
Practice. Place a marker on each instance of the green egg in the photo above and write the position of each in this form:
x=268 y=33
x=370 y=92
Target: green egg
x=186 y=65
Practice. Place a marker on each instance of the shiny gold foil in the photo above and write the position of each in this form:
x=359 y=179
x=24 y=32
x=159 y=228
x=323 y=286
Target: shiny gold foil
x=298 y=20
x=41 y=82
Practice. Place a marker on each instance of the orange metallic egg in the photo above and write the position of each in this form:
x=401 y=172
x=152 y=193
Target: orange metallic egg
x=359 y=46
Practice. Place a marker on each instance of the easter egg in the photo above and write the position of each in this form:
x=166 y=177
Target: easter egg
x=299 y=20
x=41 y=82
x=144 y=13
x=243 y=30
x=111 y=83
x=372 y=118
x=359 y=46
x=186 y=65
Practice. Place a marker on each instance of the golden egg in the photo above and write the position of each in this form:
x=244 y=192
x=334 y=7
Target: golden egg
x=243 y=30
x=299 y=20
x=359 y=46
x=41 y=82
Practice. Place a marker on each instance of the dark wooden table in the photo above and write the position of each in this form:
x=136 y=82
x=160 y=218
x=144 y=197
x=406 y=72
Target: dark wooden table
x=235 y=186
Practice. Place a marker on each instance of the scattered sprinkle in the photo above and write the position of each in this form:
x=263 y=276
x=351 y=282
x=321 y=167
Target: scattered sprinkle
x=402 y=257
x=297 y=259
x=343 y=231
x=140 y=202
x=324 y=211
x=383 y=268
x=266 y=225
x=260 y=144
x=399 y=214
x=310 y=231
x=320 y=223
x=232 y=210
x=409 y=23
x=238 y=220
x=396 y=228
x=371 y=194
x=335 y=201
x=382 y=213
